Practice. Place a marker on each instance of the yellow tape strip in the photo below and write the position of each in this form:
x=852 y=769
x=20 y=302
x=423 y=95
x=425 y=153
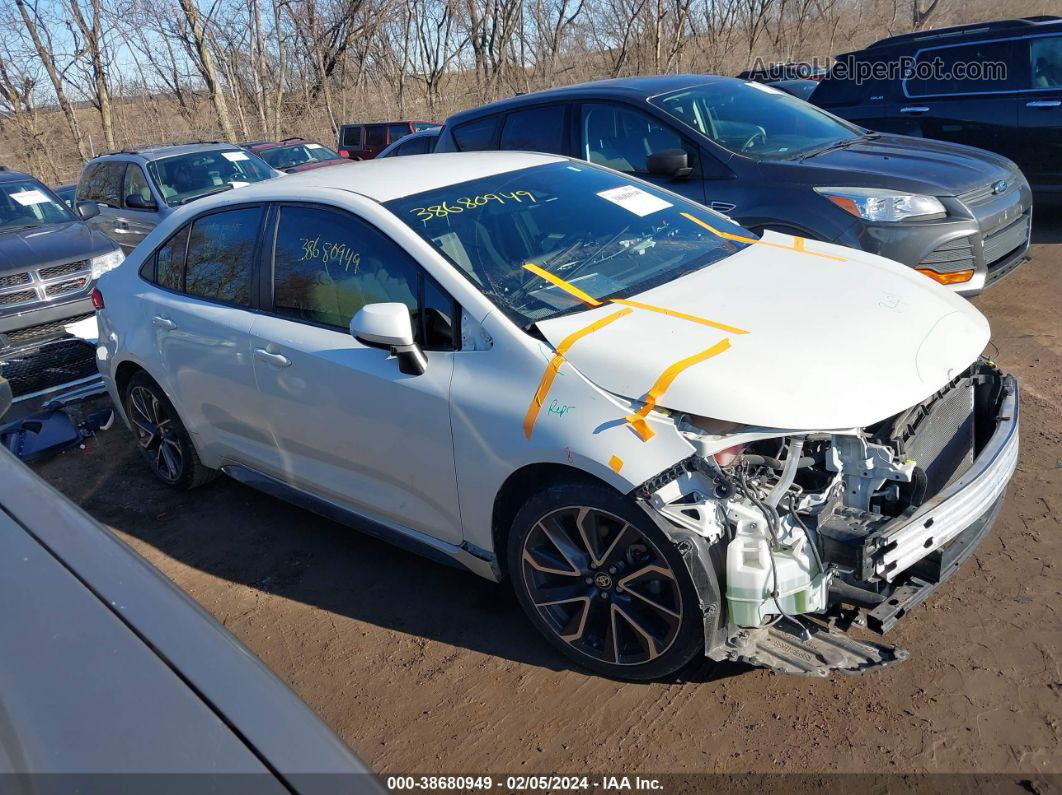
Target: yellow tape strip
x=559 y=282
x=641 y=427
x=797 y=246
x=555 y=364
x=669 y=375
x=616 y=463
x=680 y=315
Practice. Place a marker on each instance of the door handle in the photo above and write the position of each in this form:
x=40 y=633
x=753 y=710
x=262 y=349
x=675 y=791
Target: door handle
x=914 y=109
x=275 y=359
x=164 y=323
x=1044 y=103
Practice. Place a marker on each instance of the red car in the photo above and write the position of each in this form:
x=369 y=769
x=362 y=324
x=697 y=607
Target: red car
x=365 y=141
x=294 y=154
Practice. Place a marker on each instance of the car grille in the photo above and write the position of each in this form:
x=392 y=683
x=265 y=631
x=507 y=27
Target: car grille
x=14 y=279
x=985 y=193
x=20 y=297
x=62 y=288
x=955 y=255
x=40 y=285
x=1006 y=240
x=55 y=271
x=42 y=331
x=30 y=370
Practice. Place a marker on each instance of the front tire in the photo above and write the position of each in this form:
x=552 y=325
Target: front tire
x=162 y=438
x=604 y=585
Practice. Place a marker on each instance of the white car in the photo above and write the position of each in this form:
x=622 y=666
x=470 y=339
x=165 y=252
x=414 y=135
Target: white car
x=673 y=438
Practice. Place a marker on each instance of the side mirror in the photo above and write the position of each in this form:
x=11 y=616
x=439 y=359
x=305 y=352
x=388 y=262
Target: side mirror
x=138 y=202
x=87 y=210
x=669 y=163
x=388 y=326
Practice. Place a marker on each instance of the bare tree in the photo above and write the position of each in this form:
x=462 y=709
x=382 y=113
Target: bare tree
x=47 y=56
x=205 y=63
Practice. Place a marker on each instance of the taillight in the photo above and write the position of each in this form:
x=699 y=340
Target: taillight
x=344 y=153
x=97 y=298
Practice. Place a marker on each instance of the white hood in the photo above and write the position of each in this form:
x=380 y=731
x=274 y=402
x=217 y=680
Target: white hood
x=829 y=344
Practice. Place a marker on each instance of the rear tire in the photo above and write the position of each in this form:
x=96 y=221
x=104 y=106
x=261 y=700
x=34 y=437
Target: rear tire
x=604 y=585
x=162 y=438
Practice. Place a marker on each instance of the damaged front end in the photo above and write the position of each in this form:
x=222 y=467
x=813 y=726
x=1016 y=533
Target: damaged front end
x=794 y=537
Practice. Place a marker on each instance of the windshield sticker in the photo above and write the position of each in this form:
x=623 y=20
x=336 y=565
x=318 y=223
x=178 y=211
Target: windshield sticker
x=235 y=156
x=472 y=203
x=314 y=146
x=635 y=200
x=28 y=197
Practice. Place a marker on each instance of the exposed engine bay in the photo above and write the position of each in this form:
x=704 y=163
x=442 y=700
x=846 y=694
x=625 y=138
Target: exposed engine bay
x=814 y=532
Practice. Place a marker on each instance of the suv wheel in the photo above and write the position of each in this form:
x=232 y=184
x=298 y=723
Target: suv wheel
x=163 y=441
x=603 y=583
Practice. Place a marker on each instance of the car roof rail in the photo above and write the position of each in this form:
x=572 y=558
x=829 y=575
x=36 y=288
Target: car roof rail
x=998 y=26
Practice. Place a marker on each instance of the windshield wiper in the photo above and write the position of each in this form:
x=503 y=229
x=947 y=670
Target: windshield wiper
x=211 y=192
x=17 y=228
x=844 y=143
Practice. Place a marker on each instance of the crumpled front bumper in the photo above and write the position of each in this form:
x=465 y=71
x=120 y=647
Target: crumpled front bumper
x=905 y=541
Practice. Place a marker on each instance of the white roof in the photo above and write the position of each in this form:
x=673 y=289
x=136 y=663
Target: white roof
x=394 y=177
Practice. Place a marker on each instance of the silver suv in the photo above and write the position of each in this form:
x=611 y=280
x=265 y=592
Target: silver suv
x=136 y=189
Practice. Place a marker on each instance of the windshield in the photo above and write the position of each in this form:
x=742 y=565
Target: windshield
x=26 y=203
x=755 y=120
x=185 y=177
x=421 y=126
x=297 y=155
x=593 y=230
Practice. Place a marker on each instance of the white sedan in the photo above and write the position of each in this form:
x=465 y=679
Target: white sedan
x=673 y=438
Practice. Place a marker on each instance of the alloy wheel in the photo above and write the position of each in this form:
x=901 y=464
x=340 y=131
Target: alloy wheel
x=601 y=585
x=156 y=433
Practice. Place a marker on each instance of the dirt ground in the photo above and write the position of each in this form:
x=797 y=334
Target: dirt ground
x=421 y=668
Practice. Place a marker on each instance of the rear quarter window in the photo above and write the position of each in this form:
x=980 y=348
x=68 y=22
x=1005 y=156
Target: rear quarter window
x=220 y=256
x=351 y=136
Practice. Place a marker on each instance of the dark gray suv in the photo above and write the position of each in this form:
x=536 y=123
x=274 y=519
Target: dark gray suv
x=137 y=188
x=960 y=215
x=49 y=260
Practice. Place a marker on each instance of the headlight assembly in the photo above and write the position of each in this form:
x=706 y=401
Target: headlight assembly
x=106 y=262
x=874 y=204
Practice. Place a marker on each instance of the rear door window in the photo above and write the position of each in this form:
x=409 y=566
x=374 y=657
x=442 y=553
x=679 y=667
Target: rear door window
x=477 y=135
x=102 y=182
x=977 y=68
x=397 y=132
x=220 y=258
x=376 y=135
x=539 y=129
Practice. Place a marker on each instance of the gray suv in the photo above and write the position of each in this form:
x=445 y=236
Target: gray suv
x=135 y=189
x=49 y=260
x=961 y=216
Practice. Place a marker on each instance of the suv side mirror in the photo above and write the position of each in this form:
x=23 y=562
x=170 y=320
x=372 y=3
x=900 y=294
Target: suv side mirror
x=388 y=326
x=138 y=202
x=87 y=209
x=669 y=163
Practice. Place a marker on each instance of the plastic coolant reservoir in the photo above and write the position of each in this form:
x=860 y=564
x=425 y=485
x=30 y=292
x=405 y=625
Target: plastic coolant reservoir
x=749 y=581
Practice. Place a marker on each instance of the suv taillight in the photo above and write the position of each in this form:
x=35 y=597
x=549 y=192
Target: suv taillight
x=97 y=298
x=344 y=153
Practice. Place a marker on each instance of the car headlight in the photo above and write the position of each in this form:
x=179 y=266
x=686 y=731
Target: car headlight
x=874 y=204
x=106 y=262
